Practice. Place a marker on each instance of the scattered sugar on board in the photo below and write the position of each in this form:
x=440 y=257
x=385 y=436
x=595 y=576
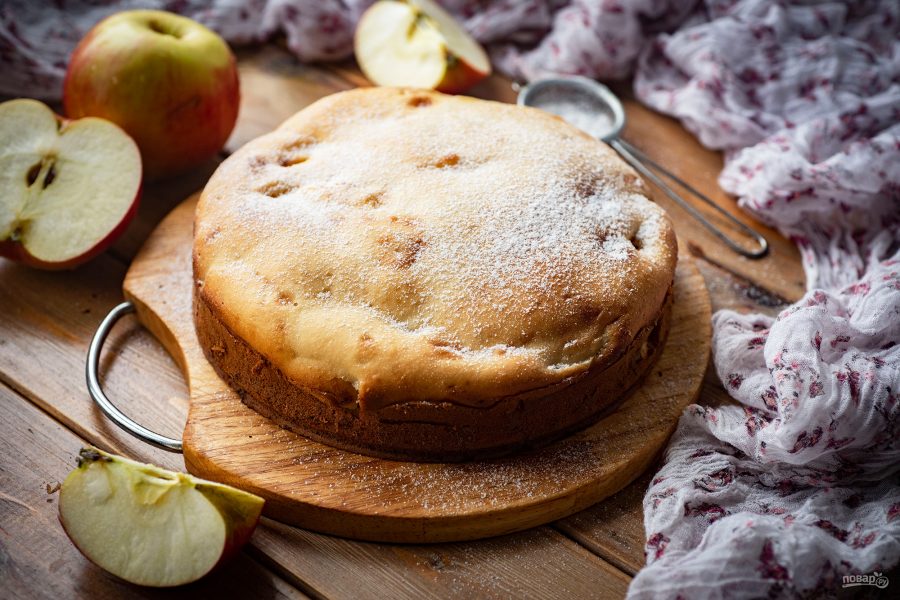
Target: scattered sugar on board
x=462 y=486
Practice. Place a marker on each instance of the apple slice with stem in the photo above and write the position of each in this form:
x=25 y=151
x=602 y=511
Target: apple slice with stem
x=416 y=43
x=151 y=526
x=67 y=188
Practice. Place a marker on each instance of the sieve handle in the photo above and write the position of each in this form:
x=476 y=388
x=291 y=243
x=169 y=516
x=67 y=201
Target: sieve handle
x=646 y=166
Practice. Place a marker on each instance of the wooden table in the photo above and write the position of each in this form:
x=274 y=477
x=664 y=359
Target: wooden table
x=47 y=319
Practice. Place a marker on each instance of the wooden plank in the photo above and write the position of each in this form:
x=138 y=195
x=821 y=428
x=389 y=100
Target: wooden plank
x=522 y=565
x=157 y=199
x=46 y=323
x=614 y=529
x=729 y=291
x=664 y=140
x=37 y=560
x=274 y=86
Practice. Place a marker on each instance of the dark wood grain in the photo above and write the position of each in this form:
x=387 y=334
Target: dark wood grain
x=523 y=565
x=47 y=321
x=664 y=140
x=614 y=529
x=274 y=86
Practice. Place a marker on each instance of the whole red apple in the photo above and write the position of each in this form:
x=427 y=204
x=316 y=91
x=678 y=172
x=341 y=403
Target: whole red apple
x=68 y=189
x=168 y=81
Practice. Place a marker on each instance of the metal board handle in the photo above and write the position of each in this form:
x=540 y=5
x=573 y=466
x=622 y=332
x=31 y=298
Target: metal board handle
x=93 y=383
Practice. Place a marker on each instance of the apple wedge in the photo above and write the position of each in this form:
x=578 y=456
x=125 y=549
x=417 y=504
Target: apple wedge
x=150 y=526
x=416 y=43
x=67 y=188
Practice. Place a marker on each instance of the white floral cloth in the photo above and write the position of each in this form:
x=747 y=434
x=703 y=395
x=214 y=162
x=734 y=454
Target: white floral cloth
x=795 y=486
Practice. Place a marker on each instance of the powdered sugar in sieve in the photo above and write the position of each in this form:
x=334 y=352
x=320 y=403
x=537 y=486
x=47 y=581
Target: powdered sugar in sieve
x=593 y=108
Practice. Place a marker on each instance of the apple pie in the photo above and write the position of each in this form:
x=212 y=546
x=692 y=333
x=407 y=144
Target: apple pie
x=411 y=275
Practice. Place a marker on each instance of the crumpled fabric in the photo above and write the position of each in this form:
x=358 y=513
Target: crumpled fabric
x=525 y=38
x=797 y=484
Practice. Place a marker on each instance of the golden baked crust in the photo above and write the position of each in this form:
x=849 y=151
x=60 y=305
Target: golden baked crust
x=390 y=249
x=430 y=430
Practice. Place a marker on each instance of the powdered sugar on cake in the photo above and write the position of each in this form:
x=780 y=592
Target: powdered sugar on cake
x=488 y=237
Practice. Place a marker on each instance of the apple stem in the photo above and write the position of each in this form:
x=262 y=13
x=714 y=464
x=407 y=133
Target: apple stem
x=90 y=455
x=419 y=20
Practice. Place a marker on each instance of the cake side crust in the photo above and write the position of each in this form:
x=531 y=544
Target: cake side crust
x=422 y=430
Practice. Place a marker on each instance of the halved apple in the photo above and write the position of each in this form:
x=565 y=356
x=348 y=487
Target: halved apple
x=67 y=188
x=151 y=526
x=416 y=43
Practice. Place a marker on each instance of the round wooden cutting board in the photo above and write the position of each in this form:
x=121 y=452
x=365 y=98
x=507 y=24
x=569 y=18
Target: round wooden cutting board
x=318 y=487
